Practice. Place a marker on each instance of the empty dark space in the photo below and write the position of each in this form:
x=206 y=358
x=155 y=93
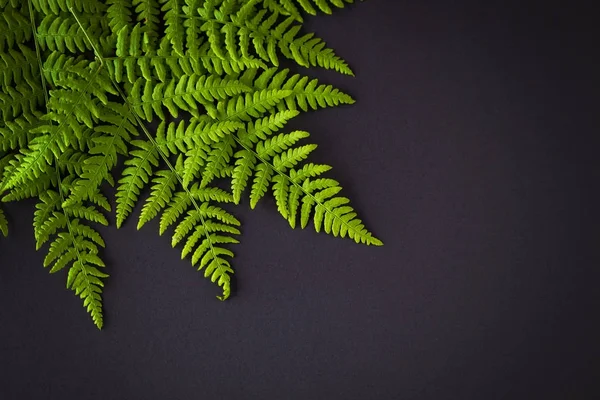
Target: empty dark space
x=470 y=152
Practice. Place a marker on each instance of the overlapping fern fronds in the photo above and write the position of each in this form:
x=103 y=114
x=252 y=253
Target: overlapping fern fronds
x=82 y=81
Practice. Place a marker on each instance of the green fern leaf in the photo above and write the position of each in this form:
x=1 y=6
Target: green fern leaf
x=14 y=27
x=15 y=101
x=306 y=94
x=194 y=161
x=88 y=213
x=16 y=66
x=166 y=63
x=161 y=193
x=205 y=242
x=230 y=36
x=174 y=29
x=3 y=223
x=244 y=165
x=76 y=245
x=33 y=189
x=193 y=38
x=184 y=95
x=208 y=223
x=78 y=76
x=17 y=133
x=311 y=6
x=63 y=6
x=135 y=176
x=118 y=13
x=262 y=178
x=33 y=162
x=250 y=105
x=70 y=163
x=148 y=16
x=277 y=155
x=217 y=160
x=283 y=7
x=62 y=33
x=261 y=128
x=104 y=150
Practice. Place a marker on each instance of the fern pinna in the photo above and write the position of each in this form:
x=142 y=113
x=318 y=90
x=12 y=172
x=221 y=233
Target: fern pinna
x=82 y=82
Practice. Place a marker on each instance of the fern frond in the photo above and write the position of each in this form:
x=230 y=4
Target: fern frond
x=166 y=63
x=160 y=195
x=250 y=105
x=21 y=99
x=17 y=133
x=3 y=223
x=231 y=35
x=312 y=6
x=33 y=189
x=184 y=94
x=217 y=160
x=14 y=28
x=134 y=177
x=192 y=24
x=34 y=161
x=204 y=230
x=305 y=94
x=77 y=74
x=194 y=161
x=75 y=246
x=174 y=138
x=51 y=140
x=17 y=65
x=62 y=33
x=209 y=223
x=244 y=165
x=283 y=7
x=111 y=141
x=119 y=14
x=62 y=6
x=264 y=127
x=63 y=127
x=277 y=158
x=70 y=163
x=148 y=16
x=174 y=29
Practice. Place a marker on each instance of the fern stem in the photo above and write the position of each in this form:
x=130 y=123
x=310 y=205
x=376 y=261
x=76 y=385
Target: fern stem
x=160 y=151
x=86 y=36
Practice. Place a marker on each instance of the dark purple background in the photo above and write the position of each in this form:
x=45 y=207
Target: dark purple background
x=470 y=152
